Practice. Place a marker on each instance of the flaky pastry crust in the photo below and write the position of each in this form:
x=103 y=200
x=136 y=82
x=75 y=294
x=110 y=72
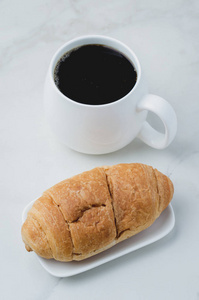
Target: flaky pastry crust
x=91 y=212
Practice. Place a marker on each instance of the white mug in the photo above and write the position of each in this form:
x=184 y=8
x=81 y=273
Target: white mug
x=99 y=129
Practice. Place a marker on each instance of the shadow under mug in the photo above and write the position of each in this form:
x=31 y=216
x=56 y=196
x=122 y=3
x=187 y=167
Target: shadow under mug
x=99 y=129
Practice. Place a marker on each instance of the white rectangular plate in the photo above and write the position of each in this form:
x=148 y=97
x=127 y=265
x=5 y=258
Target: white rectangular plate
x=160 y=228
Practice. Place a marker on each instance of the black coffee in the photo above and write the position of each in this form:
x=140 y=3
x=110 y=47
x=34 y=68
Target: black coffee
x=94 y=74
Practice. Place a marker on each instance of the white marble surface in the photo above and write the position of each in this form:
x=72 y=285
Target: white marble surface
x=164 y=34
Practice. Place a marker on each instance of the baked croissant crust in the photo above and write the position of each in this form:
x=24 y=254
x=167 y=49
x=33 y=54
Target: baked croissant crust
x=90 y=212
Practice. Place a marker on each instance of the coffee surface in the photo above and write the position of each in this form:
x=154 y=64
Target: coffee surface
x=95 y=75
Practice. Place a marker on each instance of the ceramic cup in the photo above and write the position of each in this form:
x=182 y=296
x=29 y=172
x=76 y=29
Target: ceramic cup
x=99 y=129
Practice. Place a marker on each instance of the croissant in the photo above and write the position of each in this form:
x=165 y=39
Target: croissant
x=90 y=212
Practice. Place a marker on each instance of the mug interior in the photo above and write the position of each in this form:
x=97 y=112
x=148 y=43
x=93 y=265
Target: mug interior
x=99 y=40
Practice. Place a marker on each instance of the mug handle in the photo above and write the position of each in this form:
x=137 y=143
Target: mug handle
x=166 y=113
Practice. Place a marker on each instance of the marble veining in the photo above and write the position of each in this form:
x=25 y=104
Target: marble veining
x=164 y=35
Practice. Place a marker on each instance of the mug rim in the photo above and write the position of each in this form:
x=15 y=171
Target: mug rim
x=91 y=38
